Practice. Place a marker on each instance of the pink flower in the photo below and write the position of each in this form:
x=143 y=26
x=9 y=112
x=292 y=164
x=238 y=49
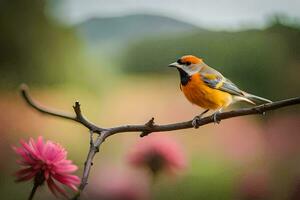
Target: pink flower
x=158 y=153
x=116 y=183
x=254 y=184
x=46 y=162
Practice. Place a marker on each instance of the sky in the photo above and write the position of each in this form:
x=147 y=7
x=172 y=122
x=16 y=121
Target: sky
x=207 y=13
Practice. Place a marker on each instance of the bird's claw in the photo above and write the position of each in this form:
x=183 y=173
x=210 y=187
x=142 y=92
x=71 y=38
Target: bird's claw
x=195 y=121
x=216 y=120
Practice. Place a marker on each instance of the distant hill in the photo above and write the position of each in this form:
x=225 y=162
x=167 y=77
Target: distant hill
x=114 y=30
x=255 y=59
x=266 y=61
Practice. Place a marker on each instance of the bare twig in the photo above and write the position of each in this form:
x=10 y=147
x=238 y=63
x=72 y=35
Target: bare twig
x=94 y=148
x=145 y=129
x=44 y=109
x=78 y=117
x=150 y=126
x=261 y=109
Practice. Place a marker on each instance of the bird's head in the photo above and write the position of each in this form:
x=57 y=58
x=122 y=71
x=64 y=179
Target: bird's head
x=189 y=64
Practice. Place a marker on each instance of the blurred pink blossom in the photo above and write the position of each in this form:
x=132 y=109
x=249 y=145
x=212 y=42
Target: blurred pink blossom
x=111 y=183
x=46 y=162
x=158 y=153
x=283 y=138
x=240 y=140
x=254 y=185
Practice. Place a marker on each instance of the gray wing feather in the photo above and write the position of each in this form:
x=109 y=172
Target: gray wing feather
x=226 y=86
x=231 y=88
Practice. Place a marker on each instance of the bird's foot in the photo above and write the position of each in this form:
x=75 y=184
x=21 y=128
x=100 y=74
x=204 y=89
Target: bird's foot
x=196 y=120
x=215 y=117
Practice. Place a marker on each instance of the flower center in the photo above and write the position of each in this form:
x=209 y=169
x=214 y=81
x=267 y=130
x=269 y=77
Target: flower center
x=155 y=162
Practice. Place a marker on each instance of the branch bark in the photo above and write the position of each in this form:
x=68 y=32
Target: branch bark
x=150 y=127
x=145 y=129
x=78 y=117
x=94 y=148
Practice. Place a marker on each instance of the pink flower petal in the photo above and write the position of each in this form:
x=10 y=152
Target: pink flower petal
x=55 y=189
x=26 y=177
x=67 y=179
x=66 y=168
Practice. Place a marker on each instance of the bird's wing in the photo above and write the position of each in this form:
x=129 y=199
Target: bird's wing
x=216 y=80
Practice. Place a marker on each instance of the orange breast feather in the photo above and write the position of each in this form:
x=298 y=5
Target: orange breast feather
x=197 y=92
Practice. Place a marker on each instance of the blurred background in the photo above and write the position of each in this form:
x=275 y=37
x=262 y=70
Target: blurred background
x=112 y=56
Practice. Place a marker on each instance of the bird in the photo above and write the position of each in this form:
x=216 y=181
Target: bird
x=206 y=87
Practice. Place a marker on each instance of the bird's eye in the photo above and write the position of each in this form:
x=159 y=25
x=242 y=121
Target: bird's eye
x=179 y=61
x=188 y=63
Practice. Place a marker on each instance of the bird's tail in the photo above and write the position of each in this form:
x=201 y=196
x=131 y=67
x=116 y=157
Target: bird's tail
x=256 y=99
x=252 y=99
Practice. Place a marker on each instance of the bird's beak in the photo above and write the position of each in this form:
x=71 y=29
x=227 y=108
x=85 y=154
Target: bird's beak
x=174 y=64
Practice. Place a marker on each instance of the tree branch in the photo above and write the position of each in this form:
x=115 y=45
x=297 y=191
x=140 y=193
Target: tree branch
x=94 y=148
x=43 y=109
x=78 y=117
x=261 y=109
x=145 y=129
x=150 y=126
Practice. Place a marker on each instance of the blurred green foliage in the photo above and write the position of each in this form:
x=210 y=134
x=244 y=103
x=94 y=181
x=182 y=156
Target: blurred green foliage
x=265 y=62
x=33 y=48
x=207 y=179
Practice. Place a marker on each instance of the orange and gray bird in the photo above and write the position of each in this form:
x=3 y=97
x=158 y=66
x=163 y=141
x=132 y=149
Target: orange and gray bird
x=208 y=88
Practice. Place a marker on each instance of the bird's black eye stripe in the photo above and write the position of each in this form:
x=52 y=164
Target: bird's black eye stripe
x=179 y=62
x=187 y=63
